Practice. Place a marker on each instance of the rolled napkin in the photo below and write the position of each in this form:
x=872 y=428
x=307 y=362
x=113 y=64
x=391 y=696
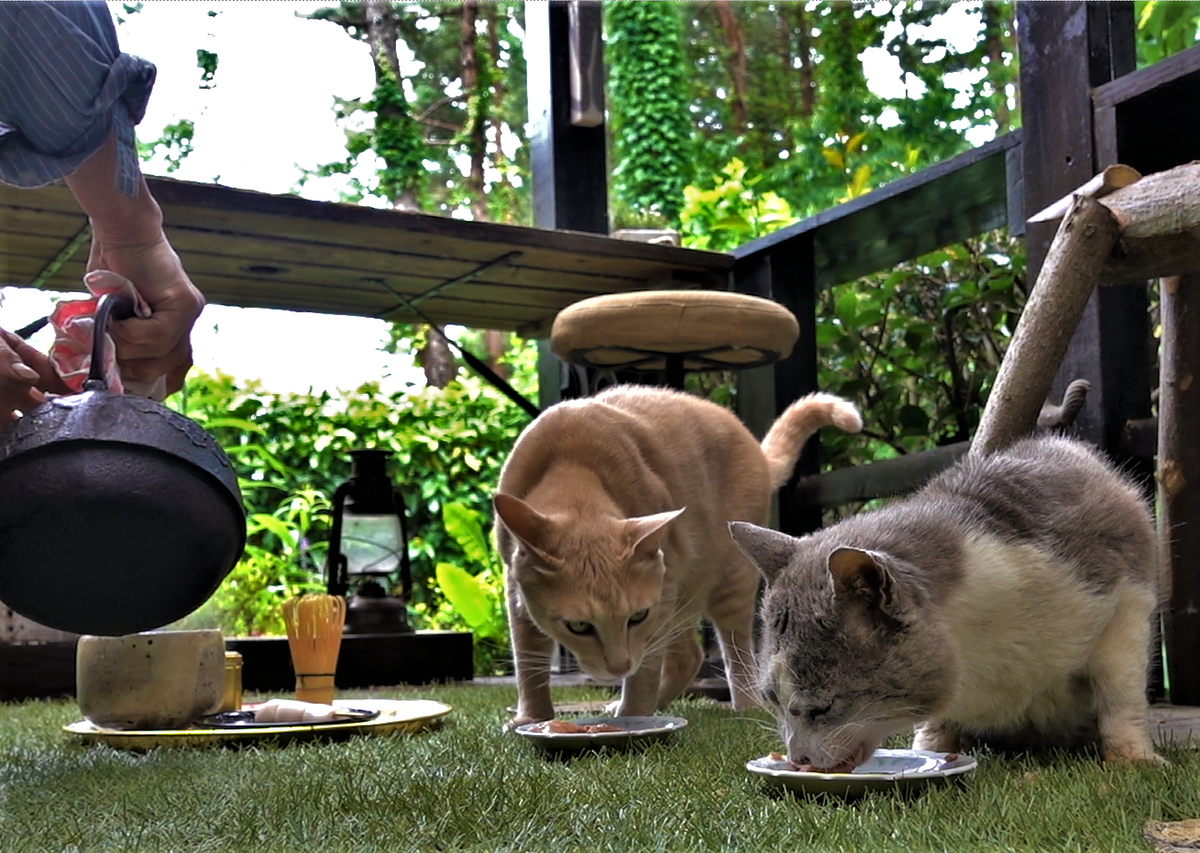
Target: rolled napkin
x=293 y=711
x=71 y=352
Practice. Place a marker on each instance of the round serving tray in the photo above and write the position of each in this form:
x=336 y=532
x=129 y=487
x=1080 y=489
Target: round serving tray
x=394 y=715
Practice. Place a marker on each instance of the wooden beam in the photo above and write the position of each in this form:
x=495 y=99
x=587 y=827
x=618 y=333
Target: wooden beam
x=942 y=204
x=567 y=161
x=881 y=479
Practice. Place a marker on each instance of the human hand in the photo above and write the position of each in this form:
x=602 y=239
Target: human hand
x=25 y=373
x=128 y=239
x=158 y=345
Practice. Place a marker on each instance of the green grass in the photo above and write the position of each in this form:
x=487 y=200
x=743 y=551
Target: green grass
x=469 y=786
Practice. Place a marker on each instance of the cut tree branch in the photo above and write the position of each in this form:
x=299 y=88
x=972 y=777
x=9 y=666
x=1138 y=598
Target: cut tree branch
x=1069 y=274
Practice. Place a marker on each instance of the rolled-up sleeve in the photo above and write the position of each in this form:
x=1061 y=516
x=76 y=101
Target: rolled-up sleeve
x=64 y=87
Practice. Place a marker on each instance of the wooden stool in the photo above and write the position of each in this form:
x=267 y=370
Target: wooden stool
x=674 y=331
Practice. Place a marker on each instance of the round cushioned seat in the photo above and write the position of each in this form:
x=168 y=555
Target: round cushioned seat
x=697 y=329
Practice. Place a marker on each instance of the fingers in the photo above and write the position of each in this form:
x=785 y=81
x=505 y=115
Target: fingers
x=158 y=345
x=18 y=380
x=174 y=365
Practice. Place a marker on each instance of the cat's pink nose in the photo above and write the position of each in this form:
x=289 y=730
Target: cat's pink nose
x=620 y=670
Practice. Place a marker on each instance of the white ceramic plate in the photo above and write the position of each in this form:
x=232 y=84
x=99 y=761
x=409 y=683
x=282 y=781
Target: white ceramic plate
x=630 y=730
x=887 y=768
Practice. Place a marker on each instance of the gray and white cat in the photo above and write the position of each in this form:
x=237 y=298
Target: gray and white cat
x=1012 y=597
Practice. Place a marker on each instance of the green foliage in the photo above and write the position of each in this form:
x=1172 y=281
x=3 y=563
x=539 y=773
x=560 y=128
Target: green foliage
x=426 y=152
x=732 y=212
x=395 y=139
x=291 y=451
x=647 y=89
x=782 y=87
x=175 y=144
x=206 y=61
x=1164 y=29
x=472 y=598
x=918 y=346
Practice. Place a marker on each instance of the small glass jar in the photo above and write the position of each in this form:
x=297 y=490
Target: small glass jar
x=233 y=682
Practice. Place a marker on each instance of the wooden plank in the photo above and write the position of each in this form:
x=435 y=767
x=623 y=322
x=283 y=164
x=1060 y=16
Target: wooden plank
x=1178 y=470
x=881 y=479
x=1147 y=80
x=945 y=203
x=243 y=211
x=380 y=264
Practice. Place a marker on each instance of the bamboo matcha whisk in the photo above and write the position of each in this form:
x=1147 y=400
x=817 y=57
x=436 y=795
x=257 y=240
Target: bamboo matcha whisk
x=314 y=629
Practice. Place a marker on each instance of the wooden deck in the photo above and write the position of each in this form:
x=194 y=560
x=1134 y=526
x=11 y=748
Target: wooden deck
x=266 y=251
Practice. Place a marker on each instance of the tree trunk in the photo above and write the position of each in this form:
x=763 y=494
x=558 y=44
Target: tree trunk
x=994 y=15
x=382 y=36
x=737 y=62
x=808 y=89
x=475 y=127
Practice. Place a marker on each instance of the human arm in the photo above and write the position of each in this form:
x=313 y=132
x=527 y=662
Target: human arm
x=128 y=238
x=68 y=102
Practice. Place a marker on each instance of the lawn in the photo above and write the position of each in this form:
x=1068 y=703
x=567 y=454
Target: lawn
x=469 y=786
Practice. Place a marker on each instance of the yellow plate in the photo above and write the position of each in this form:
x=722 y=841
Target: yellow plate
x=395 y=715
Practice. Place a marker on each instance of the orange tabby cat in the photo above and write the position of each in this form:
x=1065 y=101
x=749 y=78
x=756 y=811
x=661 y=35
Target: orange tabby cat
x=611 y=518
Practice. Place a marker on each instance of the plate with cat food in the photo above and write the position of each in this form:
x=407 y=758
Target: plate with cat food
x=886 y=768
x=559 y=735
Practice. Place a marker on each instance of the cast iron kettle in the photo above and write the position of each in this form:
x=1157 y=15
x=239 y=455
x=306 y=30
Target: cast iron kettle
x=117 y=515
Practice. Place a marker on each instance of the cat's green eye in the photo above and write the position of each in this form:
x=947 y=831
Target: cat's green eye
x=640 y=616
x=579 y=627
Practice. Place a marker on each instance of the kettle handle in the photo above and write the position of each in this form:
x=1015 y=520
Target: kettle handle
x=114 y=305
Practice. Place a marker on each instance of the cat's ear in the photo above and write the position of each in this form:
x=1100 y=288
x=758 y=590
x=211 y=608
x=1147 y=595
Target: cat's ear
x=859 y=573
x=646 y=532
x=769 y=550
x=525 y=522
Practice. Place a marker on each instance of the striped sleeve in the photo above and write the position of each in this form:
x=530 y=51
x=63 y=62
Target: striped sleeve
x=64 y=87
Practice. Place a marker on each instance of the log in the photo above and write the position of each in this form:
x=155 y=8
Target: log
x=1161 y=218
x=1081 y=246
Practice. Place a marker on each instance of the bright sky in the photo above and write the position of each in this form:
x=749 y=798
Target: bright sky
x=269 y=114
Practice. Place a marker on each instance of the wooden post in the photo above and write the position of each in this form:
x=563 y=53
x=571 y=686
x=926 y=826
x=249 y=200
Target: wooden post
x=566 y=161
x=1066 y=48
x=787 y=274
x=1179 y=477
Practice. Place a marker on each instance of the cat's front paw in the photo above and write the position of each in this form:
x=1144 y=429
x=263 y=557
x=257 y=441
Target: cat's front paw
x=523 y=719
x=1134 y=755
x=937 y=736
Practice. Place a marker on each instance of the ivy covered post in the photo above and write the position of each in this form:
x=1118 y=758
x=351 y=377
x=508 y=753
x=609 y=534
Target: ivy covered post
x=648 y=98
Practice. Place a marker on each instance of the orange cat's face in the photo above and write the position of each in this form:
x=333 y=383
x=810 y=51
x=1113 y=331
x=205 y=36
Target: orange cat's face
x=607 y=621
x=604 y=601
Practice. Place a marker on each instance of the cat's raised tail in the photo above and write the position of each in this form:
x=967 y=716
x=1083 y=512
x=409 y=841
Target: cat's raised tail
x=792 y=430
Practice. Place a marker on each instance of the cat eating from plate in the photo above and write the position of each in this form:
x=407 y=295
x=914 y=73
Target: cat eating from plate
x=1010 y=599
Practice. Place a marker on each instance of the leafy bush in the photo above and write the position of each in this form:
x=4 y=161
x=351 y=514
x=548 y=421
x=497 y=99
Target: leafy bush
x=472 y=599
x=291 y=451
